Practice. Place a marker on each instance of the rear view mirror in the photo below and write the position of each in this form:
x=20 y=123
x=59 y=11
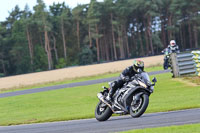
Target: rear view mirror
x=154 y=80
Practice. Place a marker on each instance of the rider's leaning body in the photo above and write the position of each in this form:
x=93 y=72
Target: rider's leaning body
x=125 y=76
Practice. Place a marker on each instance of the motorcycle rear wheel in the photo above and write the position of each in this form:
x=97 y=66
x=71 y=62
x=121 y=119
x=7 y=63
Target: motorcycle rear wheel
x=102 y=114
x=137 y=111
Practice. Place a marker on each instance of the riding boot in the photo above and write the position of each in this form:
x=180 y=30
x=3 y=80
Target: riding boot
x=110 y=94
x=109 y=97
x=113 y=87
x=107 y=101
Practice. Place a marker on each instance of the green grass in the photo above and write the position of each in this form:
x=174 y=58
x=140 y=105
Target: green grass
x=67 y=81
x=80 y=102
x=64 y=104
x=190 y=128
x=172 y=95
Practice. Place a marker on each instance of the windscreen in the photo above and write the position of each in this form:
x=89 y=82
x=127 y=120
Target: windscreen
x=145 y=77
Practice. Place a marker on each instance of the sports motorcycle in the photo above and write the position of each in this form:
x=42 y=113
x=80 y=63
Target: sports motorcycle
x=132 y=98
x=167 y=61
x=167 y=52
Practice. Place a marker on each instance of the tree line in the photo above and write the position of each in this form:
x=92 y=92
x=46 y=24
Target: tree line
x=57 y=36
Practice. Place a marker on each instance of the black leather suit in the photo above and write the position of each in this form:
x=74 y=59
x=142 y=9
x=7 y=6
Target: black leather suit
x=123 y=78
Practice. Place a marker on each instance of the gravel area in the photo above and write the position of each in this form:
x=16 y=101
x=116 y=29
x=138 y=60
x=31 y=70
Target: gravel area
x=73 y=72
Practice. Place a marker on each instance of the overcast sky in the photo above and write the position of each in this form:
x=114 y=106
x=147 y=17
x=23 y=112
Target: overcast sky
x=7 y=5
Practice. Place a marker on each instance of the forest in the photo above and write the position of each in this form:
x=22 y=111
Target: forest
x=57 y=36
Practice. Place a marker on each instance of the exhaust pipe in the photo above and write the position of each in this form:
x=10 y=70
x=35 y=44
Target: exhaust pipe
x=101 y=98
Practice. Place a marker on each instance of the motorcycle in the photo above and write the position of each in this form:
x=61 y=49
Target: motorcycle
x=132 y=98
x=167 y=52
x=167 y=61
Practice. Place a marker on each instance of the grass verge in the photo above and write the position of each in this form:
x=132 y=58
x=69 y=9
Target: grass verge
x=80 y=79
x=80 y=102
x=190 y=128
x=193 y=79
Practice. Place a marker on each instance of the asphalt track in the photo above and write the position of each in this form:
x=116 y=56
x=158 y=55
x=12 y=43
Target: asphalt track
x=114 y=124
x=90 y=82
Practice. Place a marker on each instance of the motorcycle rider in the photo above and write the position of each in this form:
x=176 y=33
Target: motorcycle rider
x=125 y=76
x=172 y=47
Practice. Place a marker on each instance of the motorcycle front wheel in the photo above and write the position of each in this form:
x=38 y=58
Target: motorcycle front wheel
x=166 y=64
x=102 y=112
x=138 y=108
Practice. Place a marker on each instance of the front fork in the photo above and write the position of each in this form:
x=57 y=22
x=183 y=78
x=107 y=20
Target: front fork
x=136 y=98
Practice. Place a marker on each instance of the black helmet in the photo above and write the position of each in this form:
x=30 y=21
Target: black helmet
x=138 y=66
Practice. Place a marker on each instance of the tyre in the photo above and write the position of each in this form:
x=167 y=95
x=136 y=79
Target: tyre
x=165 y=67
x=166 y=64
x=102 y=112
x=137 y=109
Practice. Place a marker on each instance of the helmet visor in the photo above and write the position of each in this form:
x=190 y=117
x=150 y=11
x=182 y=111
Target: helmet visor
x=138 y=66
x=172 y=44
x=139 y=70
